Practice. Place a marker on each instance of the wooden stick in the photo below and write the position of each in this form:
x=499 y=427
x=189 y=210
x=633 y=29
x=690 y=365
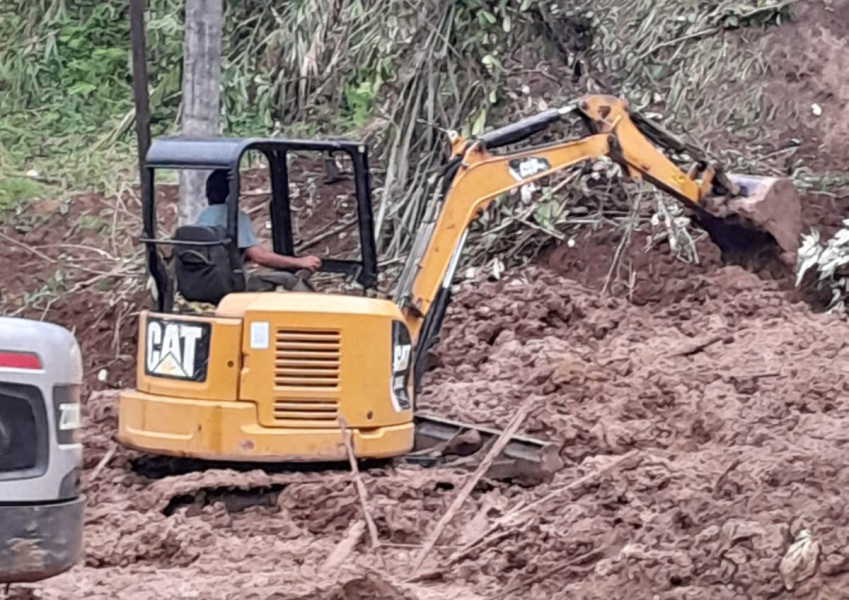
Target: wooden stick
x=625 y=241
x=358 y=482
x=29 y=249
x=106 y=458
x=698 y=345
x=626 y=459
x=492 y=533
x=472 y=481
x=344 y=548
x=510 y=590
x=322 y=236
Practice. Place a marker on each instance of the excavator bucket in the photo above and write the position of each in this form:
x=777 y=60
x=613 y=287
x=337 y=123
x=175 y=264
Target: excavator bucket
x=765 y=213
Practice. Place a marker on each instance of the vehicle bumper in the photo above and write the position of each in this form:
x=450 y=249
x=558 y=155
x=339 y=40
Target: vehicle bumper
x=229 y=431
x=38 y=541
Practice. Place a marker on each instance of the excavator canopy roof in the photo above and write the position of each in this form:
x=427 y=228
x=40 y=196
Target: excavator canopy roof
x=225 y=153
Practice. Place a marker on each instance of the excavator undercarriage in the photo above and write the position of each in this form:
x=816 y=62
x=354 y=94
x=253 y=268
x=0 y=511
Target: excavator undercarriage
x=438 y=442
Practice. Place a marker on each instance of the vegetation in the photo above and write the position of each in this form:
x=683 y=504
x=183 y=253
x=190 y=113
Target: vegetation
x=826 y=264
x=396 y=72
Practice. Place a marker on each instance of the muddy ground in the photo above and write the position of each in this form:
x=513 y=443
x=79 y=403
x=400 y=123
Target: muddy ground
x=722 y=399
x=714 y=398
x=699 y=411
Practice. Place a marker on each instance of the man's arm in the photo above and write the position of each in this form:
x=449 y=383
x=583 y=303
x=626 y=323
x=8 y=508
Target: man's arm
x=267 y=258
x=272 y=260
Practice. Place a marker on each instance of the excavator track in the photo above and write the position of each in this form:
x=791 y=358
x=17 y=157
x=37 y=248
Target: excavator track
x=448 y=442
x=438 y=442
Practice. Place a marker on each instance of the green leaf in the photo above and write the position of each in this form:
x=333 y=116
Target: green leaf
x=506 y=25
x=489 y=17
x=81 y=88
x=480 y=123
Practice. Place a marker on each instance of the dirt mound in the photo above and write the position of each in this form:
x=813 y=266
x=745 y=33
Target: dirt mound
x=640 y=276
x=725 y=406
x=808 y=59
x=730 y=397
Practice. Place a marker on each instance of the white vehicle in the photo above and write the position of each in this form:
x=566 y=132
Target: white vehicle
x=41 y=504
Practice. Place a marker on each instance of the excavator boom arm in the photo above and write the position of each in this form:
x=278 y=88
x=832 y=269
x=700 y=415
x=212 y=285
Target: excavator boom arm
x=483 y=176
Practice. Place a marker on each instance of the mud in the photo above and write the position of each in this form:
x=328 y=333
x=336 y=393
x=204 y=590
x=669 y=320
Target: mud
x=728 y=394
x=732 y=398
x=719 y=390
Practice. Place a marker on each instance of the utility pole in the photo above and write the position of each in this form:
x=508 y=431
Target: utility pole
x=140 y=91
x=141 y=99
x=201 y=94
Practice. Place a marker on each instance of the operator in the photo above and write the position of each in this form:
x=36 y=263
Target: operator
x=215 y=215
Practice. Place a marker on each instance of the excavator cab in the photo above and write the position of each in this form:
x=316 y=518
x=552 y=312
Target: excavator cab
x=207 y=265
x=265 y=376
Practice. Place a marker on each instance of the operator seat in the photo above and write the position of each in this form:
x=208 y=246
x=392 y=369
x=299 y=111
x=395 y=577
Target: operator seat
x=207 y=273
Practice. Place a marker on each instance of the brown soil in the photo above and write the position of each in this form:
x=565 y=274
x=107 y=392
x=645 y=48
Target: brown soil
x=720 y=389
x=809 y=59
x=729 y=395
x=642 y=277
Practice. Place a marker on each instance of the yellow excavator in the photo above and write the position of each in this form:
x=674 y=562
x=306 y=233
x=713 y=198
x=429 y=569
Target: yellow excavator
x=285 y=376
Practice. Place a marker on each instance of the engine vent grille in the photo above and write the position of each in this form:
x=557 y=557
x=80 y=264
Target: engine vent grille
x=306 y=410
x=307 y=359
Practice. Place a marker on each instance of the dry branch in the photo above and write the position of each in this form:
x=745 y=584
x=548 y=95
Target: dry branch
x=509 y=592
x=113 y=447
x=344 y=548
x=358 y=482
x=472 y=481
x=698 y=345
x=329 y=233
x=27 y=248
x=509 y=521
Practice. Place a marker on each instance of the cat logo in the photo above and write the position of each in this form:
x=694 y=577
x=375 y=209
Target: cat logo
x=522 y=168
x=402 y=351
x=177 y=349
x=401 y=360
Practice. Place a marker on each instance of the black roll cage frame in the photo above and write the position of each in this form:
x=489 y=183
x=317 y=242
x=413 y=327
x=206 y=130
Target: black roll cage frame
x=226 y=153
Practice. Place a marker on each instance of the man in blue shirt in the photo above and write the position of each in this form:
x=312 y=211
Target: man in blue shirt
x=216 y=215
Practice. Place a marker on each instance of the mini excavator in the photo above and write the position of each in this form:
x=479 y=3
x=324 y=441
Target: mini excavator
x=285 y=376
